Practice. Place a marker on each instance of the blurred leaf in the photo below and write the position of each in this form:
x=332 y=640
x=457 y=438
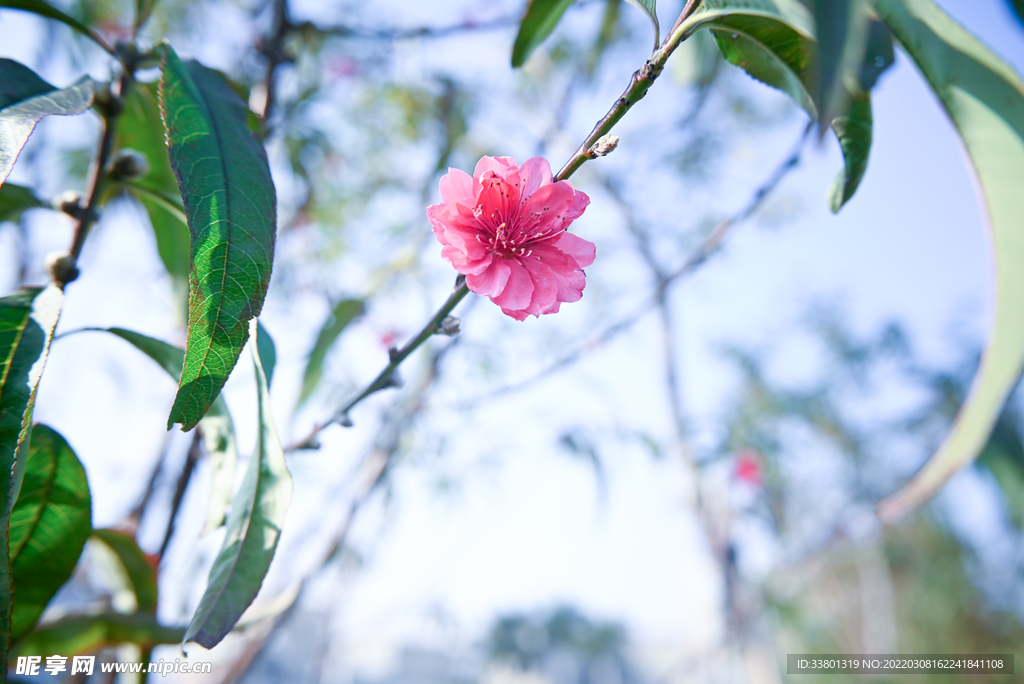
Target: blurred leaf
x=1018 y=8
x=27 y=320
x=649 y=7
x=140 y=572
x=50 y=524
x=229 y=199
x=49 y=11
x=267 y=351
x=772 y=41
x=14 y=199
x=217 y=427
x=985 y=99
x=344 y=313
x=80 y=634
x=18 y=82
x=253 y=530
x=537 y=24
x=609 y=24
x=139 y=128
x=841 y=30
x=17 y=120
x=854 y=133
x=878 y=55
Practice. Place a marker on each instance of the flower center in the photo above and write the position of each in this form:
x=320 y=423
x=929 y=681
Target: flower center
x=507 y=231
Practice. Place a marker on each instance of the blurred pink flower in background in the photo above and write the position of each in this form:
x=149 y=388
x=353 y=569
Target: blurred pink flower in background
x=505 y=226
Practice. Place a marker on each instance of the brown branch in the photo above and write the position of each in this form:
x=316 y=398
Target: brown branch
x=179 y=491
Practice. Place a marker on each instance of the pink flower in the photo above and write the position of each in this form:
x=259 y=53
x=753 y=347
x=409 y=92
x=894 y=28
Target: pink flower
x=504 y=227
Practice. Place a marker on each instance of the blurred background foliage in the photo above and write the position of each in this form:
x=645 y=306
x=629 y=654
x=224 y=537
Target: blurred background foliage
x=371 y=103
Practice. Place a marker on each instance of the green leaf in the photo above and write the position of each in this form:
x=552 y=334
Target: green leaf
x=80 y=634
x=137 y=568
x=49 y=11
x=985 y=100
x=267 y=350
x=14 y=199
x=841 y=31
x=253 y=530
x=1018 y=8
x=50 y=524
x=27 y=320
x=344 y=313
x=217 y=427
x=537 y=24
x=140 y=128
x=18 y=82
x=878 y=55
x=19 y=119
x=229 y=199
x=854 y=131
x=649 y=7
x=772 y=40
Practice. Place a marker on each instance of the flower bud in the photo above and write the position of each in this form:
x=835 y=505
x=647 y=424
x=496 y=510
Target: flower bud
x=450 y=326
x=604 y=146
x=62 y=268
x=70 y=202
x=128 y=165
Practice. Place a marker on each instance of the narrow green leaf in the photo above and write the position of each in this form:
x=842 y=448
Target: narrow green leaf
x=50 y=524
x=650 y=8
x=49 y=11
x=139 y=571
x=772 y=41
x=267 y=351
x=27 y=320
x=985 y=100
x=230 y=203
x=217 y=427
x=140 y=128
x=81 y=634
x=253 y=530
x=854 y=131
x=18 y=82
x=841 y=31
x=15 y=199
x=18 y=120
x=344 y=313
x=537 y=24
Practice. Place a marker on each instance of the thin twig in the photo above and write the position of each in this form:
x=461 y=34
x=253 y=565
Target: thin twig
x=641 y=81
x=273 y=47
x=386 y=378
x=67 y=271
x=409 y=33
x=179 y=491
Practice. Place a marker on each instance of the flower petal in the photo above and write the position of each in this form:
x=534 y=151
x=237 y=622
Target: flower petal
x=545 y=287
x=518 y=290
x=457 y=188
x=582 y=251
x=490 y=282
x=535 y=172
x=499 y=165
